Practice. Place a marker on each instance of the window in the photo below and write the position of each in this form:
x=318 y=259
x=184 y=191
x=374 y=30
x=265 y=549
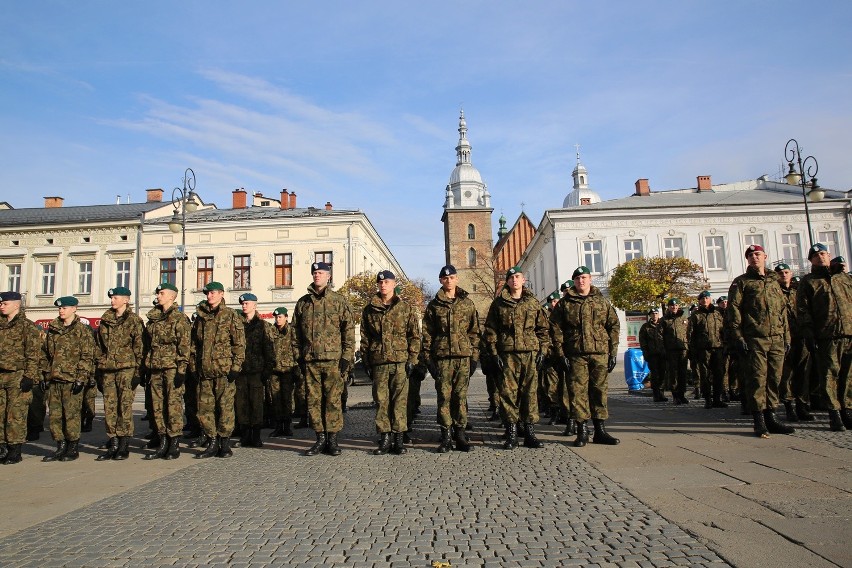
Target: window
x=326 y=257
x=204 y=273
x=168 y=271
x=632 y=249
x=283 y=270
x=122 y=273
x=791 y=249
x=755 y=240
x=84 y=277
x=593 y=256
x=471 y=232
x=471 y=257
x=15 y=278
x=829 y=239
x=673 y=247
x=715 y=249
x=48 y=278
x=242 y=272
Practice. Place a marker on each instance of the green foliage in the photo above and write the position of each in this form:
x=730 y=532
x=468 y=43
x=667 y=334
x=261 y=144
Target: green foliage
x=644 y=283
x=361 y=288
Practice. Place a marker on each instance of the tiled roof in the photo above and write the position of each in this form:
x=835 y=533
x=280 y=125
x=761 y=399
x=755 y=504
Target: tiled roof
x=75 y=214
x=250 y=213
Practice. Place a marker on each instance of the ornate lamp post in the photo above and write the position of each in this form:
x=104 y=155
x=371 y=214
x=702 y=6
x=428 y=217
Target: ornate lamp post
x=184 y=201
x=807 y=168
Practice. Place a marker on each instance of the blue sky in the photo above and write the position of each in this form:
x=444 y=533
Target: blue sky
x=357 y=103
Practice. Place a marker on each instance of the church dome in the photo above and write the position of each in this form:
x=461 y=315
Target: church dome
x=465 y=173
x=582 y=194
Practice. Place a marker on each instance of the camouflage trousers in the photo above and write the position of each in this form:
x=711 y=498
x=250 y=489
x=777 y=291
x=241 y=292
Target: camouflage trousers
x=451 y=386
x=300 y=394
x=118 y=402
x=549 y=385
x=761 y=371
x=677 y=372
x=834 y=370
x=735 y=373
x=37 y=411
x=166 y=403
x=14 y=405
x=65 y=411
x=657 y=367
x=89 y=396
x=565 y=393
x=216 y=406
x=249 y=399
x=325 y=392
x=414 y=382
x=281 y=387
x=519 y=388
x=794 y=376
x=589 y=386
x=710 y=364
x=390 y=393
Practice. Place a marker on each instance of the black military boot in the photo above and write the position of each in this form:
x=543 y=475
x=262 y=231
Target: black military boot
x=803 y=413
x=759 y=425
x=790 y=411
x=111 y=449
x=601 y=436
x=835 y=421
x=13 y=455
x=530 y=440
x=570 y=428
x=162 y=449
x=244 y=435
x=123 y=448
x=72 y=453
x=717 y=400
x=212 y=448
x=4 y=451
x=331 y=448
x=154 y=442
x=659 y=396
x=61 y=448
x=511 y=437
x=445 y=445
x=256 y=442
x=86 y=425
x=461 y=440
x=398 y=444
x=278 y=431
x=773 y=425
x=708 y=403
x=173 y=452
x=406 y=437
x=384 y=444
x=288 y=429
x=225 y=447
x=846 y=417
x=201 y=441
x=318 y=446
x=582 y=434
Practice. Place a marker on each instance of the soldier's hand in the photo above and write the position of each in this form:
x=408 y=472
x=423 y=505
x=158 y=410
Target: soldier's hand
x=232 y=376
x=180 y=379
x=343 y=367
x=77 y=387
x=566 y=364
x=43 y=384
x=473 y=365
x=742 y=346
x=611 y=363
x=27 y=384
x=134 y=382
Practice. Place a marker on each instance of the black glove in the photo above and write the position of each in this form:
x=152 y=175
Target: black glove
x=27 y=384
x=77 y=387
x=135 y=381
x=500 y=363
x=43 y=384
x=566 y=364
x=539 y=359
x=232 y=376
x=742 y=346
x=433 y=368
x=91 y=382
x=611 y=363
x=343 y=367
x=180 y=379
x=408 y=369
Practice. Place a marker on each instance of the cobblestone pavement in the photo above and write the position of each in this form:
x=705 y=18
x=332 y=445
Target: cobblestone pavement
x=274 y=507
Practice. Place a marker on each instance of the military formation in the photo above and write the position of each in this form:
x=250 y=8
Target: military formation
x=772 y=341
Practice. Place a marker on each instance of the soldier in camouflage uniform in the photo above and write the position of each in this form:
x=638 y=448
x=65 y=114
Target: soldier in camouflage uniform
x=119 y=343
x=90 y=391
x=757 y=321
x=549 y=374
x=217 y=351
x=516 y=333
x=450 y=344
x=285 y=374
x=824 y=310
x=166 y=358
x=584 y=328
x=68 y=350
x=654 y=351
x=325 y=332
x=704 y=334
x=37 y=411
x=794 y=389
x=390 y=341
x=674 y=337
x=20 y=345
x=257 y=367
x=415 y=380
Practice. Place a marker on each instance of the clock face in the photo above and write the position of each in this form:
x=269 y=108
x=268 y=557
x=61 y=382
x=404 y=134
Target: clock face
x=467 y=194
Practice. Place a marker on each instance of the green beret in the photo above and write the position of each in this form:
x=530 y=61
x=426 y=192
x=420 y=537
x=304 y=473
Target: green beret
x=247 y=297
x=512 y=271
x=704 y=294
x=673 y=302
x=282 y=311
x=782 y=266
x=119 y=291
x=838 y=260
x=213 y=286
x=580 y=270
x=166 y=286
x=554 y=296
x=66 y=301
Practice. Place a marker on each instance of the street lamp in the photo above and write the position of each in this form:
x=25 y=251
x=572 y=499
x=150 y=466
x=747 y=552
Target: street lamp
x=808 y=168
x=183 y=200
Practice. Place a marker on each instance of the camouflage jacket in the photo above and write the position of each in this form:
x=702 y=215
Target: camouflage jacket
x=286 y=348
x=756 y=307
x=20 y=343
x=451 y=327
x=260 y=349
x=167 y=338
x=218 y=342
x=790 y=302
x=824 y=305
x=651 y=338
x=325 y=328
x=389 y=333
x=68 y=350
x=585 y=325
x=516 y=325
x=705 y=329
x=675 y=331
x=119 y=341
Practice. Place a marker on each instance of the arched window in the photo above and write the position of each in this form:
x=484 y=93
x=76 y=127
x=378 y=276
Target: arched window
x=471 y=257
x=471 y=232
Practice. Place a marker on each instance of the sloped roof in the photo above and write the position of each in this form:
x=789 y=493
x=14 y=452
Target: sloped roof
x=251 y=213
x=75 y=214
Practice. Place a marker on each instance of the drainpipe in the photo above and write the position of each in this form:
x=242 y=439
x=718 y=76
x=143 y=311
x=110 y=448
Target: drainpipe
x=137 y=280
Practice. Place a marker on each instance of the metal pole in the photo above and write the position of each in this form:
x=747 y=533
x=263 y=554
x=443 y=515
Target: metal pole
x=808 y=168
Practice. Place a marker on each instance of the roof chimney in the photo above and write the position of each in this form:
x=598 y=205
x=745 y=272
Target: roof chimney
x=154 y=195
x=239 y=199
x=53 y=202
x=704 y=183
x=293 y=200
x=642 y=187
x=285 y=199
x=328 y=205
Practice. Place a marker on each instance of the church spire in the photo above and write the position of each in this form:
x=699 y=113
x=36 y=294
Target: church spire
x=463 y=149
x=466 y=188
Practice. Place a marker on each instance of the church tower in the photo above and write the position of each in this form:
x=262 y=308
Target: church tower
x=468 y=242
